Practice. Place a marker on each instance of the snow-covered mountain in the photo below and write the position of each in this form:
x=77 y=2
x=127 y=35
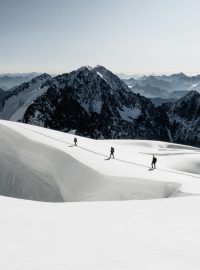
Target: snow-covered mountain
x=181 y=119
x=116 y=214
x=184 y=118
x=166 y=83
x=8 y=81
x=95 y=103
x=14 y=103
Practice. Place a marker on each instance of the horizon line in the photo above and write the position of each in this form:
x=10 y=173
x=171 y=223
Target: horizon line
x=118 y=73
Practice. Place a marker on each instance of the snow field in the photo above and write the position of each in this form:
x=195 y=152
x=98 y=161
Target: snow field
x=44 y=165
x=118 y=235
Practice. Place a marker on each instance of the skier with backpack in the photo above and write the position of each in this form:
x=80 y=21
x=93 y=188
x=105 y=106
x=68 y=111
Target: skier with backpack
x=112 y=150
x=75 y=141
x=153 y=163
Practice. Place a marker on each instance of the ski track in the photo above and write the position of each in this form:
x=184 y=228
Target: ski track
x=125 y=161
x=45 y=173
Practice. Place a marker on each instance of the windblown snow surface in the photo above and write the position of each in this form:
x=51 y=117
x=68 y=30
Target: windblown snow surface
x=115 y=214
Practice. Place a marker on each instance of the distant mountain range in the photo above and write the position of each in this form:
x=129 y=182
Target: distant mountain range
x=8 y=81
x=14 y=102
x=96 y=103
x=164 y=86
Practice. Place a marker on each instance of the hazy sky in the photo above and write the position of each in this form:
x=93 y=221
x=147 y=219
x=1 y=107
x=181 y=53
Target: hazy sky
x=131 y=36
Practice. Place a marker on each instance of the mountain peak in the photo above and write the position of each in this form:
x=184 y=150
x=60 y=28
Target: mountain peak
x=180 y=75
x=43 y=76
x=113 y=80
x=87 y=76
x=99 y=67
x=84 y=68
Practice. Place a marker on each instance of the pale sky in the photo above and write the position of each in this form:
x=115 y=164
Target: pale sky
x=57 y=36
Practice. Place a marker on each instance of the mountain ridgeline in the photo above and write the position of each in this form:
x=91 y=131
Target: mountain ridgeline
x=94 y=102
x=166 y=87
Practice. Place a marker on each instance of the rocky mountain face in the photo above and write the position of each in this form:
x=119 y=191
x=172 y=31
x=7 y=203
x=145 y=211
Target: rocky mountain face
x=14 y=103
x=96 y=103
x=160 y=101
x=184 y=119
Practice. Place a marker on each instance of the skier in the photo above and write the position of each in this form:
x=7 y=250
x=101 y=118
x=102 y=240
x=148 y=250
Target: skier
x=112 y=150
x=153 y=163
x=75 y=141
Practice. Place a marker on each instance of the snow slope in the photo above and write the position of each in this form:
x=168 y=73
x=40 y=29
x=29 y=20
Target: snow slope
x=22 y=97
x=134 y=234
x=25 y=99
x=31 y=170
x=48 y=168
